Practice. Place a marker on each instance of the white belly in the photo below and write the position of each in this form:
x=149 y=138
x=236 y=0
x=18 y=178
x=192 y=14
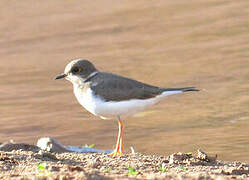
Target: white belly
x=99 y=107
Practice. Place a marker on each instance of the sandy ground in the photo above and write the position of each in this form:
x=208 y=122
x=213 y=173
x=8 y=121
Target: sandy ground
x=24 y=161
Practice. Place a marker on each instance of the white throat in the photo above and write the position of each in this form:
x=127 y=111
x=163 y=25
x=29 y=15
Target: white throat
x=77 y=80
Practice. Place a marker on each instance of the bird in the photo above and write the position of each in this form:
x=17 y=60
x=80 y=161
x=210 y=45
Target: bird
x=108 y=95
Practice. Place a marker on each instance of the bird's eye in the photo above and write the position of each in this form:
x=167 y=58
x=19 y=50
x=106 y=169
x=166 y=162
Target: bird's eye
x=76 y=70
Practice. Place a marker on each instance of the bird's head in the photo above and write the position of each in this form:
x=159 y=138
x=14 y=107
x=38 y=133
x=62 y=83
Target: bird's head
x=77 y=71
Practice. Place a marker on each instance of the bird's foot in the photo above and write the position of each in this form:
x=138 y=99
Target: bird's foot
x=116 y=153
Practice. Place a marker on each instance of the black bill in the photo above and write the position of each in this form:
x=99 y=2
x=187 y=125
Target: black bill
x=60 y=76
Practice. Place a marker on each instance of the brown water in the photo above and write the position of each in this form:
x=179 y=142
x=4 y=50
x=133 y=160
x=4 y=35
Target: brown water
x=165 y=43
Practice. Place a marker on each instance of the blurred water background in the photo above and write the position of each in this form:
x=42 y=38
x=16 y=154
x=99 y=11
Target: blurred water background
x=165 y=43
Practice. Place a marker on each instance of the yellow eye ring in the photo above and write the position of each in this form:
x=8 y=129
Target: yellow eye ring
x=76 y=70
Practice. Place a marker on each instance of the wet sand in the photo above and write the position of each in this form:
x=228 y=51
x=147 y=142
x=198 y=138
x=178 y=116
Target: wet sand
x=164 y=43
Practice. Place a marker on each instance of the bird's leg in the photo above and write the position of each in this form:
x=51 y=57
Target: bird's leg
x=118 y=151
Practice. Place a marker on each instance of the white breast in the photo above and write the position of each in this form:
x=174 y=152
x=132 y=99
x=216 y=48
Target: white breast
x=99 y=107
x=86 y=98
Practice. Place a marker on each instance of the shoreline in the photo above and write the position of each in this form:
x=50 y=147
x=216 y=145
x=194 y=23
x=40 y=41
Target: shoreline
x=25 y=161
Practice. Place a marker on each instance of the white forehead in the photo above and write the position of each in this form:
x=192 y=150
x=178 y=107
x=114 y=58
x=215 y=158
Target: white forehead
x=70 y=65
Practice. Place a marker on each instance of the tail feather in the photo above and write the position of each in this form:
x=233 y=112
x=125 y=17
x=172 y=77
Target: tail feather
x=185 y=89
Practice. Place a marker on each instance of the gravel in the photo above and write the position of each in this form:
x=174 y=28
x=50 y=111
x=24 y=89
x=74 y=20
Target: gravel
x=24 y=161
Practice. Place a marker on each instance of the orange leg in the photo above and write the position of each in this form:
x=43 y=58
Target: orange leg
x=118 y=151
